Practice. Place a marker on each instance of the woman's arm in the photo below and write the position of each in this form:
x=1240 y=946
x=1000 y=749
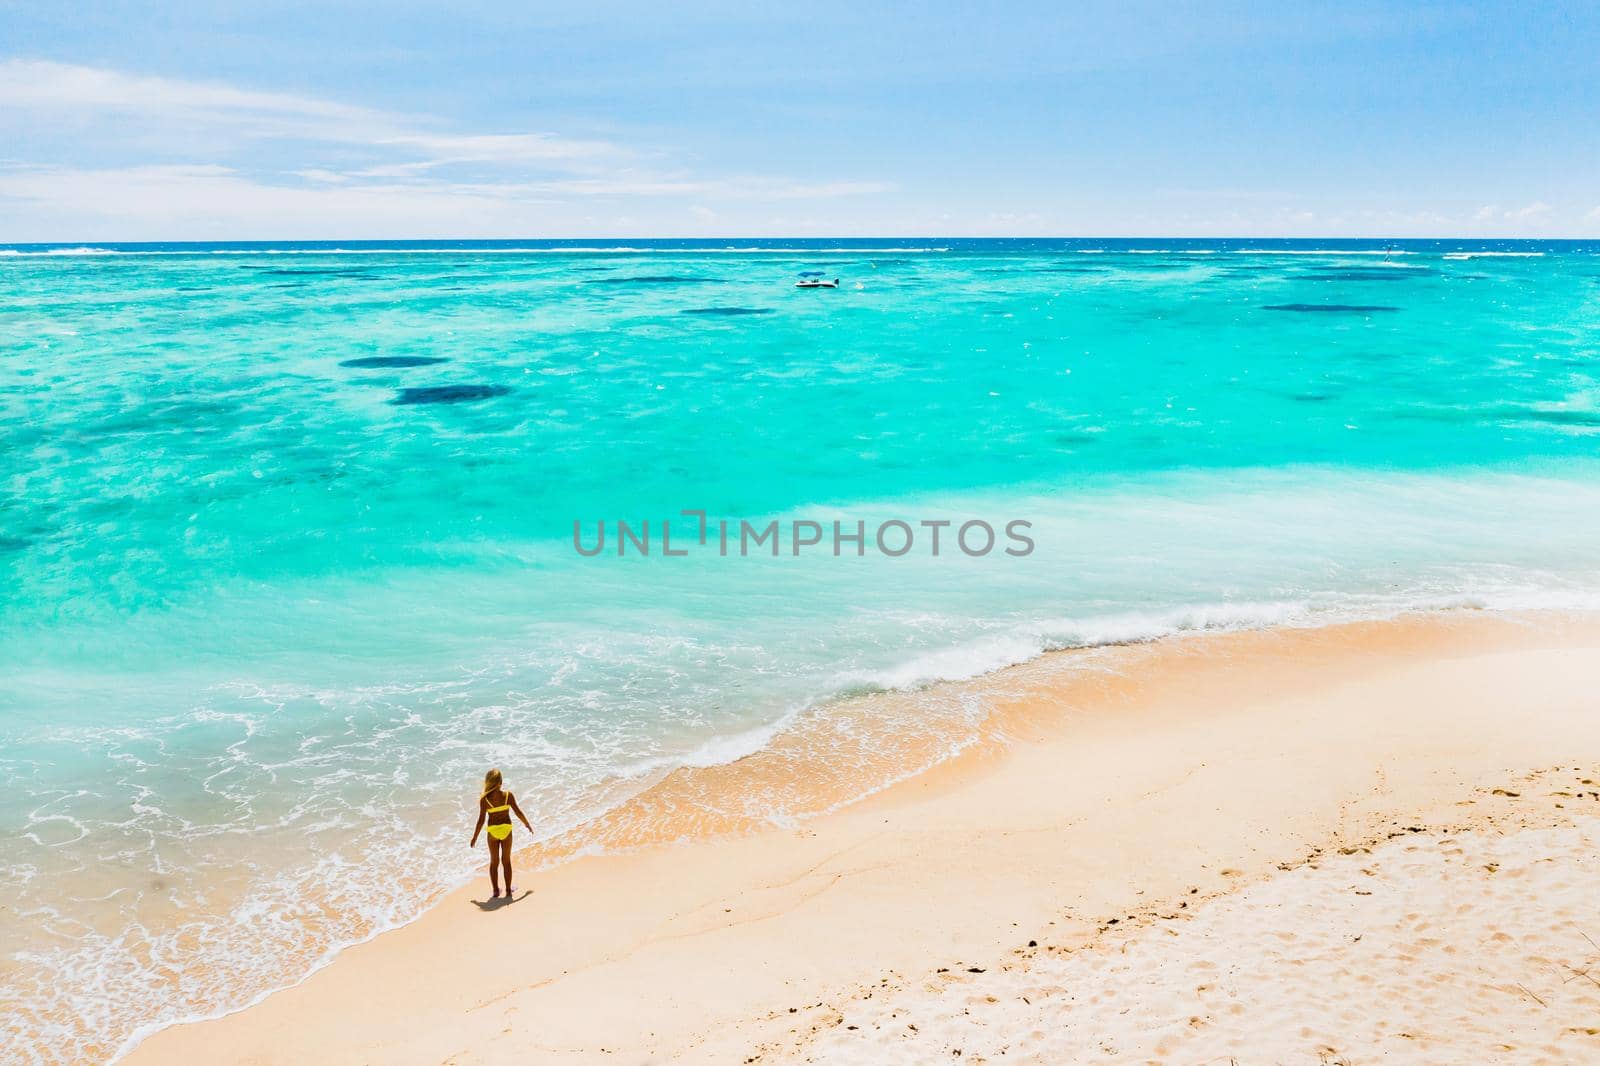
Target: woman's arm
x=482 y=814
x=513 y=801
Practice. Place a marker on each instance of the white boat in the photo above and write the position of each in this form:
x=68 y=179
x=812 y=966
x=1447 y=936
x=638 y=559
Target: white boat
x=816 y=283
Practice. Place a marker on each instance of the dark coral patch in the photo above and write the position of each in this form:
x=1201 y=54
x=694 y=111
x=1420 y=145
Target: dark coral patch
x=652 y=279
x=1330 y=308
x=384 y=362
x=314 y=272
x=1395 y=274
x=447 y=394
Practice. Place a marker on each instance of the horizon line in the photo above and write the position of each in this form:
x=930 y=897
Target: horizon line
x=89 y=242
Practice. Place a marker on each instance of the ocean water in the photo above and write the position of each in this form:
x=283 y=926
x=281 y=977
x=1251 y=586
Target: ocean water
x=287 y=535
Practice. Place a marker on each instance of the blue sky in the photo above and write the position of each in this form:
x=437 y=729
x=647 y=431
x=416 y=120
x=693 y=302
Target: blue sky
x=286 y=120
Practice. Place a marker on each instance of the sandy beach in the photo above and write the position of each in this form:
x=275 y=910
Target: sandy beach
x=1303 y=845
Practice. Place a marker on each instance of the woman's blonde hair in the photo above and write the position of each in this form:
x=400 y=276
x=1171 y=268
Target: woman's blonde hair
x=491 y=781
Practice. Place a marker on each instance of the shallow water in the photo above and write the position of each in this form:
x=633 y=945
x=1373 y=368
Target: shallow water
x=287 y=555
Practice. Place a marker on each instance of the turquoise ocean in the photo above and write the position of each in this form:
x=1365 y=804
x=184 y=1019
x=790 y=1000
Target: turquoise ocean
x=287 y=556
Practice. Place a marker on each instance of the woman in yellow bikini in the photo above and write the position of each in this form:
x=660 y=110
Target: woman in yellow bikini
x=496 y=806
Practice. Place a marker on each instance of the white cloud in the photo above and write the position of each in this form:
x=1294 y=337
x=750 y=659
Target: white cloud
x=35 y=83
x=41 y=87
x=502 y=147
x=141 y=203
x=193 y=109
x=731 y=188
x=277 y=164
x=217 y=202
x=1537 y=214
x=320 y=175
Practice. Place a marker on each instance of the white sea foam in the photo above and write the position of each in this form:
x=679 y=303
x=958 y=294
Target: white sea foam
x=956 y=663
x=1321 y=251
x=717 y=751
x=574 y=250
x=84 y=250
x=1024 y=643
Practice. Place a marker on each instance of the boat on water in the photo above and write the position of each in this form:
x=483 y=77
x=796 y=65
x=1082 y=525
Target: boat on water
x=813 y=279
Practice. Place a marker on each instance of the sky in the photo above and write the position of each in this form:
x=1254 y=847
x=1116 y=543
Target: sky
x=275 y=121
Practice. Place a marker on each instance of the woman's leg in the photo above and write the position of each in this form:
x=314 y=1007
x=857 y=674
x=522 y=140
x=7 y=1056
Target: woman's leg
x=495 y=848
x=505 y=860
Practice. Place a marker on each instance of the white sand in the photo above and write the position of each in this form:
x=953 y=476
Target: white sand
x=1462 y=947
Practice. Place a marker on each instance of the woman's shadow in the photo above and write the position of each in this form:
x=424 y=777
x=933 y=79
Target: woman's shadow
x=500 y=901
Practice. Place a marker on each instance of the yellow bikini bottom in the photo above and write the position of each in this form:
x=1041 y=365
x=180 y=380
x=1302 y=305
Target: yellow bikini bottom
x=500 y=832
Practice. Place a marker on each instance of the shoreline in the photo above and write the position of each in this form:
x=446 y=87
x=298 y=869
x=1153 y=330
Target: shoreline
x=760 y=919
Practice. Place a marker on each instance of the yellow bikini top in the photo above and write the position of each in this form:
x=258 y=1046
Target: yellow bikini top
x=503 y=807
